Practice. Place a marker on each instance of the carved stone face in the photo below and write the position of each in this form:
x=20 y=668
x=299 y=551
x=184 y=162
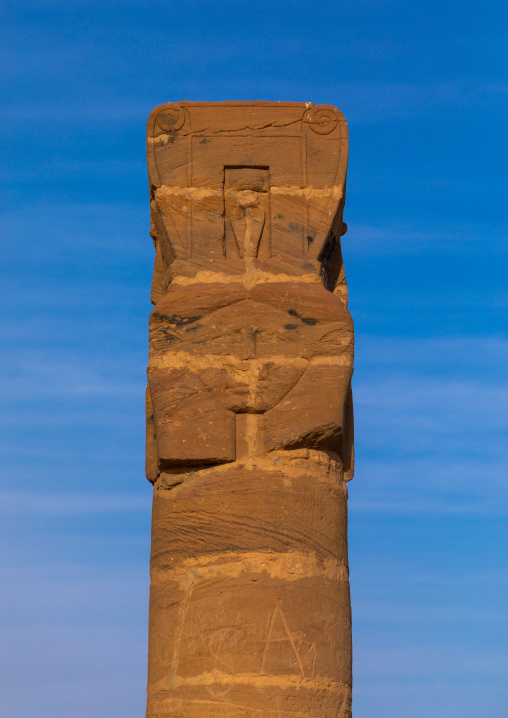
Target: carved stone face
x=279 y=351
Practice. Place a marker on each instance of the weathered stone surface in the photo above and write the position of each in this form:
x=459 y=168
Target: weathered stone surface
x=249 y=412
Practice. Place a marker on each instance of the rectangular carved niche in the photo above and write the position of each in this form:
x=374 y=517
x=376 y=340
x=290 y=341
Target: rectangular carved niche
x=247 y=212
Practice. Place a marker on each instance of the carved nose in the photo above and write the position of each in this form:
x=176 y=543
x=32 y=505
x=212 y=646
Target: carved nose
x=249 y=343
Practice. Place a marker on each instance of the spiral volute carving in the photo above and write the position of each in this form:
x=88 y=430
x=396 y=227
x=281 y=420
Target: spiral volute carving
x=171 y=118
x=322 y=119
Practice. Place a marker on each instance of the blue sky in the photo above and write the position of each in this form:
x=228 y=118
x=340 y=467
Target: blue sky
x=424 y=87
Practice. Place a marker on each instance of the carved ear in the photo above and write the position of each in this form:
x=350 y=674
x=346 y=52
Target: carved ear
x=311 y=415
x=159 y=274
x=349 y=437
x=170 y=217
x=151 y=461
x=164 y=254
x=330 y=258
x=191 y=427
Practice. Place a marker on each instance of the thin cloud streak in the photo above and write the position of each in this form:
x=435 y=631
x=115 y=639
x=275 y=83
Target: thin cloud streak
x=21 y=503
x=415 y=400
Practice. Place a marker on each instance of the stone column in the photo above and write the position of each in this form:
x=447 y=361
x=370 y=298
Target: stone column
x=249 y=412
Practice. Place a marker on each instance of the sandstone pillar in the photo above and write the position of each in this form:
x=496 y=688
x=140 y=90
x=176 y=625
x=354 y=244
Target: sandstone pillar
x=249 y=412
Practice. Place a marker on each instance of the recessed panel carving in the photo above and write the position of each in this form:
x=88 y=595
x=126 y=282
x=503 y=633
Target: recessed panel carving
x=247 y=212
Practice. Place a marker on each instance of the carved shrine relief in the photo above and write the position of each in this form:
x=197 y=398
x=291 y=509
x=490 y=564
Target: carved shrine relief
x=291 y=172
x=247 y=212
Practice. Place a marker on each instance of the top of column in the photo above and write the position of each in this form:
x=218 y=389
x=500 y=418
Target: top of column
x=246 y=187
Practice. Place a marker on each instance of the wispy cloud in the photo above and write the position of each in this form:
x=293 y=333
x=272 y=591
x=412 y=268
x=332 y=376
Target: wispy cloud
x=44 y=504
x=40 y=377
x=67 y=626
x=394 y=238
x=416 y=401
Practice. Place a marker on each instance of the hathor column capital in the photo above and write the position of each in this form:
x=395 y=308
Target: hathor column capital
x=249 y=412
